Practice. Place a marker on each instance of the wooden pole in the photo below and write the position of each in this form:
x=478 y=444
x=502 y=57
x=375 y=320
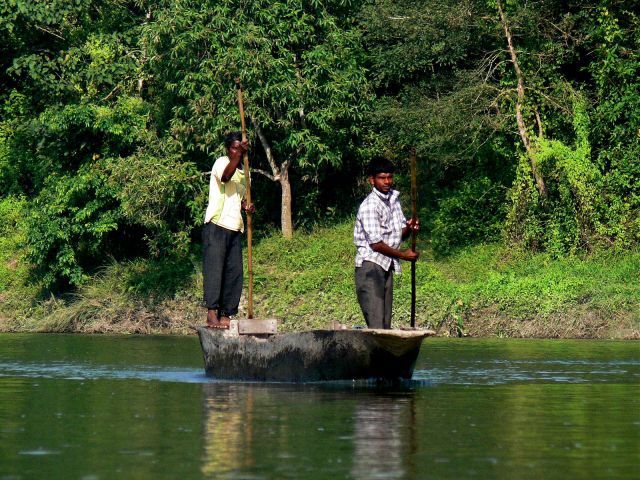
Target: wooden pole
x=414 y=217
x=247 y=199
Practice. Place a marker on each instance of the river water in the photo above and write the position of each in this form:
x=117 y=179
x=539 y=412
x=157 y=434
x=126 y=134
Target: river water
x=140 y=407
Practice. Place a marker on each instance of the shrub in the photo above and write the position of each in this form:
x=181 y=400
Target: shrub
x=472 y=213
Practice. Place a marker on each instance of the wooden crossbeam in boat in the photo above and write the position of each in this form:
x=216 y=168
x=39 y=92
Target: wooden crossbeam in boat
x=248 y=326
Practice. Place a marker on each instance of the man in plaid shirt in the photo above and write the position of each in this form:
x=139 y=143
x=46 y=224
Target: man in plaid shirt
x=379 y=230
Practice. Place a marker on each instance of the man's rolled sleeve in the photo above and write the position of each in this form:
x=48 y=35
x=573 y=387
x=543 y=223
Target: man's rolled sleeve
x=218 y=168
x=371 y=227
x=373 y=237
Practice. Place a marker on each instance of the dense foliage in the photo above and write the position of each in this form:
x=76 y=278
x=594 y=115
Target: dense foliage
x=525 y=116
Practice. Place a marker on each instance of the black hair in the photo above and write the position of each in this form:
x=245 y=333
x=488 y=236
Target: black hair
x=379 y=165
x=231 y=137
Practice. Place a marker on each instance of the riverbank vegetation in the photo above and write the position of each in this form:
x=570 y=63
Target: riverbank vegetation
x=307 y=282
x=525 y=119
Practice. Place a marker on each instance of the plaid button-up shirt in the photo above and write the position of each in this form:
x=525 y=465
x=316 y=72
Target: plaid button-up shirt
x=379 y=219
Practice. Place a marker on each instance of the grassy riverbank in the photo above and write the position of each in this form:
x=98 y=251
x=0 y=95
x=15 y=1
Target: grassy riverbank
x=485 y=290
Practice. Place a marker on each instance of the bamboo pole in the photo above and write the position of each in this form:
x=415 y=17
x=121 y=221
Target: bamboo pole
x=414 y=217
x=248 y=202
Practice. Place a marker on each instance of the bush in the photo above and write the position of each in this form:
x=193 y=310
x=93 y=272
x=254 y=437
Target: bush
x=473 y=213
x=16 y=292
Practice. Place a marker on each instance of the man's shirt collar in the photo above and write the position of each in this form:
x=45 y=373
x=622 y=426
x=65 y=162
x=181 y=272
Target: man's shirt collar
x=386 y=197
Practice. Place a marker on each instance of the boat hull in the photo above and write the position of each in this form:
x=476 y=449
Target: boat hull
x=318 y=355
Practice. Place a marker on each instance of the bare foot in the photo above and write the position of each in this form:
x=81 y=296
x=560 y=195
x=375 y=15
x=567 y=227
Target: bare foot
x=224 y=322
x=212 y=317
x=214 y=322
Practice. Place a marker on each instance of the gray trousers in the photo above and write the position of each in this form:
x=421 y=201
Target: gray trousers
x=374 y=287
x=222 y=269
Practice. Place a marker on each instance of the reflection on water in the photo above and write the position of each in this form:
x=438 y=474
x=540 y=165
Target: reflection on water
x=227 y=430
x=380 y=424
x=365 y=431
x=123 y=407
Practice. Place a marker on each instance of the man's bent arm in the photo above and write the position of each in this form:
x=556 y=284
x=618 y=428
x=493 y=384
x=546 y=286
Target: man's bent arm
x=383 y=248
x=229 y=170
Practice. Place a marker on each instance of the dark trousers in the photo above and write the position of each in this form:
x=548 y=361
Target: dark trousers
x=222 y=269
x=374 y=287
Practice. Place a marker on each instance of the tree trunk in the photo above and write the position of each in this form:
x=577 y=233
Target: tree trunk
x=279 y=174
x=285 y=210
x=522 y=129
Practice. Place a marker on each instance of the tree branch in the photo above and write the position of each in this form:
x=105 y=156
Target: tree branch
x=265 y=173
x=520 y=88
x=520 y=103
x=303 y=120
x=50 y=32
x=267 y=149
x=115 y=89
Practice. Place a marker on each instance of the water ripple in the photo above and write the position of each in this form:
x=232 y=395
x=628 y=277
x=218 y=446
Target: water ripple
x=463 y=373
x=83 y=372
x=499 y=372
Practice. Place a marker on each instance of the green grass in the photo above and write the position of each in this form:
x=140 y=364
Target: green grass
x=308 y=281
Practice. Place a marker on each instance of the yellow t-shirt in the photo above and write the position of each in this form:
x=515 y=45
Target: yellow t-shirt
x=225 y=199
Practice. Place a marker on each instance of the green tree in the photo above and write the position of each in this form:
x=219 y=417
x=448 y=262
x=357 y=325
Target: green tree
x=538 y=96
x=300 y=67
x=583 y=202
x=72 y=104
x=614 y=54
x=433 y=65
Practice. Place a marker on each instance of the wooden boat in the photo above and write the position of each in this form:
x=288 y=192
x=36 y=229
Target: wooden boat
x=312 y=356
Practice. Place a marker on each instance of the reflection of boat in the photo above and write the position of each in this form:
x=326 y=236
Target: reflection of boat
x=372 y=427
x=317 y=355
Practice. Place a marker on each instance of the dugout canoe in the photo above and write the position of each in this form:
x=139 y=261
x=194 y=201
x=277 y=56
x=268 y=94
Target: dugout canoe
x=312 y=356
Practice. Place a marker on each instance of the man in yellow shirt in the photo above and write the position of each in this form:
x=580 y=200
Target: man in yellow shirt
x=222 y=234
